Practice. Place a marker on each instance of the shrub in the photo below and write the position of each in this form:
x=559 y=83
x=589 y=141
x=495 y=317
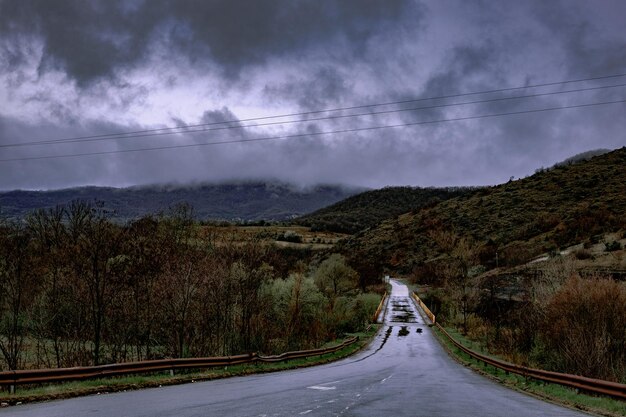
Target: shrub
x=583 y=328
x=290 y=236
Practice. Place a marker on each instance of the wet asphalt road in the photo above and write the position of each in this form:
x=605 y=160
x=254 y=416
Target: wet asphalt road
x=404 y=372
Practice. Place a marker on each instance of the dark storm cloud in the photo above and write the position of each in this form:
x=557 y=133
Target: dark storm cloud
x=85 y=38
x=114 y=66
x=464 y=68
x=460 y=67
x=553 y=36
x=588 y=48
x=93 y=39
x=52 y=173
x=222 y=115
x=318 y=90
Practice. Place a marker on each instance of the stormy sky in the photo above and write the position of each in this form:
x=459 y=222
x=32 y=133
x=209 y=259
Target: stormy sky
x=215 y=73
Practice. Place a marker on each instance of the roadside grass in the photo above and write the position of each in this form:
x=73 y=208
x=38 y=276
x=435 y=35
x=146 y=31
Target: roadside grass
x=552 y=392
x=48 y=392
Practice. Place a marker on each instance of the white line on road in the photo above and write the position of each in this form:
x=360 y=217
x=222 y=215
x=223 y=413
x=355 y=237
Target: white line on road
x=321 y=388
x=383 y=381
x=331 y=382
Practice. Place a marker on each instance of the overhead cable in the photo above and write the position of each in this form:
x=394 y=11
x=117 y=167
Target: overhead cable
x=205 y=126
x=300 y=135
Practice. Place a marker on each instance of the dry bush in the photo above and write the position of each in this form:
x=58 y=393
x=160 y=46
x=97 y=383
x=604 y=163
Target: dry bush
x=583 y=328
x=477 y=327
x=550 y=279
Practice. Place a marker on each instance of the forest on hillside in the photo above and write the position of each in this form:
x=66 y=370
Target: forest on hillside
x=369 y=208
x=518 y=220
x=77 y=289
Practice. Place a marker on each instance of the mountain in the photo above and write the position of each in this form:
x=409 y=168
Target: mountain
x=370 y=208
x=241 y=201
x=583 y=156
x=568 y=204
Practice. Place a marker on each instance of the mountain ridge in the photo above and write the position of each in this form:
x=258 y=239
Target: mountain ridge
x=369 y=208
x=230 y=201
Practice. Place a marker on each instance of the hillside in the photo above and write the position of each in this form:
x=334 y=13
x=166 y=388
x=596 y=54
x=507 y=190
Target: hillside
x=247 y=201
x=370 y=208
x=565 y=205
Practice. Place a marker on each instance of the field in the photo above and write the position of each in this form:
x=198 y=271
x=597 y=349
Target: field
x=301 y=237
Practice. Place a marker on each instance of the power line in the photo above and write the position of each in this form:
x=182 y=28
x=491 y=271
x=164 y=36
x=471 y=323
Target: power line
x=269 y=138
x=173 y=130
x=372 y=113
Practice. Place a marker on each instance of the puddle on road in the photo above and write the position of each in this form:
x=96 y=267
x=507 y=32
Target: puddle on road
x=419 y=330
x=402 y=311
x=401 y=318
x=403 y=331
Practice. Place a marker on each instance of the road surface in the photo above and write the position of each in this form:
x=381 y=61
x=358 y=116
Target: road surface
x=404 y=372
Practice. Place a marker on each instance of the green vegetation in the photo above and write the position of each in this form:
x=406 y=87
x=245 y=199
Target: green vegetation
x=115 y=384
x=553 y=392
x=370 y=208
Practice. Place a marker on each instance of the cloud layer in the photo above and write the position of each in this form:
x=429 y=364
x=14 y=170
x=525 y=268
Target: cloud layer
x=82 y=68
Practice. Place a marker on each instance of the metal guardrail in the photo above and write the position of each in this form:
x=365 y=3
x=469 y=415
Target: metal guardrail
x=35 y=376
x=38 y=376
x=379 y=309
x=597 y=386
x=306 y=353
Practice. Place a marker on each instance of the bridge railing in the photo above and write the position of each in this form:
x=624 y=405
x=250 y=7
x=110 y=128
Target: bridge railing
x=429 y=313
x=381 y=305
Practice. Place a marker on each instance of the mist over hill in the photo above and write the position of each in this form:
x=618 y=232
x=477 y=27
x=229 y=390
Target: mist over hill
x=236 y=201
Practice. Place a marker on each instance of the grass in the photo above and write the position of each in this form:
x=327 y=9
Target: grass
x=551 y=392
x=47 y=392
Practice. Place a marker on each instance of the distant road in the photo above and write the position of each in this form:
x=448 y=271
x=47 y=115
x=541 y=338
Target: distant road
x=403 y=373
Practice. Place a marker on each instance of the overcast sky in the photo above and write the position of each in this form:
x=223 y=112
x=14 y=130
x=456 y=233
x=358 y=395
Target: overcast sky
x=79 y=68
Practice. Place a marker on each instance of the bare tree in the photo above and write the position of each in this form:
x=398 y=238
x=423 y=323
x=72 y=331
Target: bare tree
x=16 y=291
x=460 y=255
x=50 y=241
x=96 y=242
